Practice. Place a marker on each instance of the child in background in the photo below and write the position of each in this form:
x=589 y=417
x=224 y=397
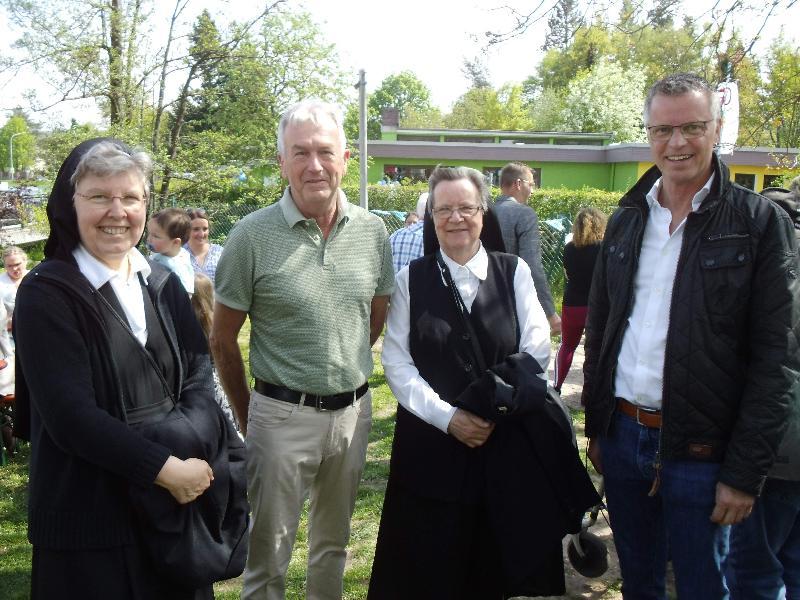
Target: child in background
x=167 y=231
x=203 y=304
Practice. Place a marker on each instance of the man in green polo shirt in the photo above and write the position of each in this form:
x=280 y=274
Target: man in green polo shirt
x=314 y=274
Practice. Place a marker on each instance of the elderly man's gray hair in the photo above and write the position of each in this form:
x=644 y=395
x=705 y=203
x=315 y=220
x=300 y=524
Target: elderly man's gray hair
x=310 y=110
x=678 y=85
x=475 y=177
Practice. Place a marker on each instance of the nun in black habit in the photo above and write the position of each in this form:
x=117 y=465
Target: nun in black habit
x=470 y=509
x=105 y=341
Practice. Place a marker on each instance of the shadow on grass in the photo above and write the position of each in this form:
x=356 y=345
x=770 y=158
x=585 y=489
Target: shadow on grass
x=382 y=427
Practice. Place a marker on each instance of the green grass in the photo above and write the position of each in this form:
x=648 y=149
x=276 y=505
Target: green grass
x=15 y=551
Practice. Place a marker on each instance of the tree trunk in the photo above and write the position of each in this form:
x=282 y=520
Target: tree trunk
x=115 y=77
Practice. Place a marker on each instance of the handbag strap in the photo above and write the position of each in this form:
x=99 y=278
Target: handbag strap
x=463 y=313
x=107 y=289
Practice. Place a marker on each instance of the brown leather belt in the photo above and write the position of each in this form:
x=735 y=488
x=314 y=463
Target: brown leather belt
x=332 y=402
x=644 y=416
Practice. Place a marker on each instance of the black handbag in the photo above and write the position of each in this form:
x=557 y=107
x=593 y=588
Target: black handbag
x=206 y=540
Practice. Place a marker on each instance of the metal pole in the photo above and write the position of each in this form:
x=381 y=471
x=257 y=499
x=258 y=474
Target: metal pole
x=11 y=154
x=362 y=139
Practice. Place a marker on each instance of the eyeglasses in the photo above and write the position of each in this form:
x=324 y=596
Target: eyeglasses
x=689 y=131
x=464 y=212
x=528 y=181
x=129 y=201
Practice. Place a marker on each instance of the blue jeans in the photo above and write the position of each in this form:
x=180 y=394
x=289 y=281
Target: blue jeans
x=764 y=562
x=673 y=524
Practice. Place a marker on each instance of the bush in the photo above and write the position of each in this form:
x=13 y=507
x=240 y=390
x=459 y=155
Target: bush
x=549 y=203
x=556 y=202
x=389 y=197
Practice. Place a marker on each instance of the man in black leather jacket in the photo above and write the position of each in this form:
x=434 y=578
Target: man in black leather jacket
x=691 y=350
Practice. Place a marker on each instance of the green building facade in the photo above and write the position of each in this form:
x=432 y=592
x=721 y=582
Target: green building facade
x=558 y=160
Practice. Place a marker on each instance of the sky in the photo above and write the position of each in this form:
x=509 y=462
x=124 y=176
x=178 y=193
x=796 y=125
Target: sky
x=430 y=38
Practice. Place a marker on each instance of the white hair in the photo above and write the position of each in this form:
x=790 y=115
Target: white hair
x=310 y=110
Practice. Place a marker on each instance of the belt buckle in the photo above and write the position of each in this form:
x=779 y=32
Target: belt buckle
x=319 y=403
x=640 y=410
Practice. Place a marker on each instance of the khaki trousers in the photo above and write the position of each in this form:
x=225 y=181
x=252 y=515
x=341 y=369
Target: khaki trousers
x=293 y=453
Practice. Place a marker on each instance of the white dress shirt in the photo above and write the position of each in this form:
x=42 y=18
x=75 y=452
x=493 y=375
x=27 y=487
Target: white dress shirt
x=639 y=377
x=410 y=389
x=128 y=291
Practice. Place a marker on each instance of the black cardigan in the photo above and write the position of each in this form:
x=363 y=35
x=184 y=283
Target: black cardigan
x=68 y=404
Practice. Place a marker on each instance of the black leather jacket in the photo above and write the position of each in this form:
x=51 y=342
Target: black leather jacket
x=732 y=345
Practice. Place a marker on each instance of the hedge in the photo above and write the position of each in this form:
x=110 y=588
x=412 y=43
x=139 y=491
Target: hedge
x=549 y=203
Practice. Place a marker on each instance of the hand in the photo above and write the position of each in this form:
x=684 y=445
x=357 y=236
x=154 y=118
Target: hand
x=469 y=428
x=185 y=479
x=733 y=506
x=555 y=324
x=594 y=455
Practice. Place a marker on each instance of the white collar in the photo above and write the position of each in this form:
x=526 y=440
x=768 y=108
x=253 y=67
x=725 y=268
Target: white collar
x=478 y=265
x=99 y=274
x=697 y=200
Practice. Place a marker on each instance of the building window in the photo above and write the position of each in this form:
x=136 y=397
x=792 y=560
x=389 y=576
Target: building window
x=772 y=180
x=413 y=173
x=576 y=142
x=747 y=180
x=401 y=137
x=458 y=139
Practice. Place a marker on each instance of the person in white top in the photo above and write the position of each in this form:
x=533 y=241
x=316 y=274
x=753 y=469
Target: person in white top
x=691 y=351
x=15 y=262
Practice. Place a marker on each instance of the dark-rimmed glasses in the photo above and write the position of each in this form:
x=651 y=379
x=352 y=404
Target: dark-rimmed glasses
x=690 y=131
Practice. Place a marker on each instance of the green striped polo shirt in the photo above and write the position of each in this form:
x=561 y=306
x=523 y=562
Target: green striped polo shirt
x=308 y=298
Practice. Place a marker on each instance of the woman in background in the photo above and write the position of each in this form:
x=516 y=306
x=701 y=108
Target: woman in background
x=204 y=255
x=15 y=262
x=580 y=255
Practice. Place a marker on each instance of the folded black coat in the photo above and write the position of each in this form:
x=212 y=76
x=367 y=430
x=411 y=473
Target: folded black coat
x=543 y=492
